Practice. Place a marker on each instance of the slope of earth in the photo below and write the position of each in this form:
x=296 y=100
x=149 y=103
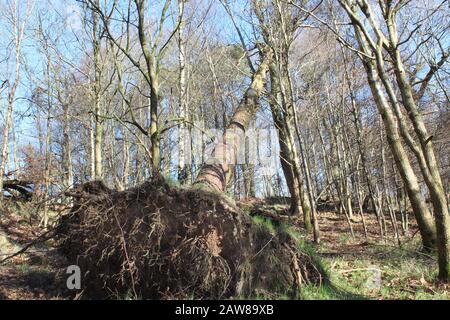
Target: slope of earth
x=364 y=268
x=37 y=273
x=378 y=268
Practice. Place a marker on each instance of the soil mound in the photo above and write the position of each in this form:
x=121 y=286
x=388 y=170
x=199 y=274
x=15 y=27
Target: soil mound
x=158 y=241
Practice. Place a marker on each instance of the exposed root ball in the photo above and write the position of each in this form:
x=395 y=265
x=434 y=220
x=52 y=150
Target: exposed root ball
x=157 y=242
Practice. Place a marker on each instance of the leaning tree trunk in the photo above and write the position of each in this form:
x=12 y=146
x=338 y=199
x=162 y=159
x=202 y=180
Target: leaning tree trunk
x=421 y=211
x=216 y=171
x=427 y=160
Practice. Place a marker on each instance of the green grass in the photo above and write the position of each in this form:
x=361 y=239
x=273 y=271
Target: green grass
x=24 y=268
x=329 y=291
x=332 y=288
x=378 y=272
x=265 y=223
x=171 y=181
x=403 y=274
x=345 y=238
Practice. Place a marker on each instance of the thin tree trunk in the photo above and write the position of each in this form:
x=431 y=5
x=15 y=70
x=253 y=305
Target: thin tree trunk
x=92 y=147
x=126 y=160
x=48 y=163
x=183 y=169
x=98 y=121
x=5 y=143
x=67 y=152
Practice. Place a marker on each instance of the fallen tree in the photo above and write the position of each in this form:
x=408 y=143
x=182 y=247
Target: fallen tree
x=24 y=189
x=157 y=241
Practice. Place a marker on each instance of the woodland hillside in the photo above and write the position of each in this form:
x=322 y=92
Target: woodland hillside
x=225 y=149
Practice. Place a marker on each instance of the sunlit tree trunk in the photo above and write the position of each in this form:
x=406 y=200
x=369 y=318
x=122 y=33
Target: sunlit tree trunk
x=223 y=159
x=18 y=26
x=420 y=209
x=67 y=152
x=183 y=165
x=429 y=168
x=98 y=121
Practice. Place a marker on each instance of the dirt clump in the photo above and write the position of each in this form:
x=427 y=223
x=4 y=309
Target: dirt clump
x=158 y=241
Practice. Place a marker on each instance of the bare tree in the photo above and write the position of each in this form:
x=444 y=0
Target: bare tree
x=18 y=15
x=374 y=47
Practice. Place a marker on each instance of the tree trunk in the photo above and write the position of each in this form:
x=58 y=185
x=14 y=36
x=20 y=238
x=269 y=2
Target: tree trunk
x=98 y=121
x=67 y=152
x=9 y=118
x=224 y=156
x=183 y=169
x=286 y=160
x=432 y=175
x=5 y=144
x=420 y=209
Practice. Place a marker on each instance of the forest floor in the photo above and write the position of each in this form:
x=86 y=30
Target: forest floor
x=375 y=268
x=358 y=268
x=35 y=274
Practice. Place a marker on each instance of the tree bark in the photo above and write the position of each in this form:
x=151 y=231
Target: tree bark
x=420 y=209
x=286 y=156
x=183 y=170
x=98 y=121
x=224 y=156
x=432 y=175
x=18 y=29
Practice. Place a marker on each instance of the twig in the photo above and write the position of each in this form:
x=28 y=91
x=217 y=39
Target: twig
x=262 y=249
